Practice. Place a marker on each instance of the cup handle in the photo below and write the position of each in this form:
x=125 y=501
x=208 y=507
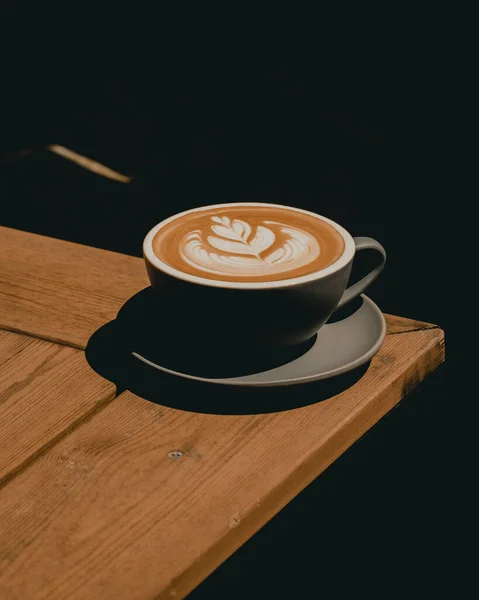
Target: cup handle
x=364 y=243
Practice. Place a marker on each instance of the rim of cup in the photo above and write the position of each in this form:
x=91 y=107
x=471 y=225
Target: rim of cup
x=343 y=260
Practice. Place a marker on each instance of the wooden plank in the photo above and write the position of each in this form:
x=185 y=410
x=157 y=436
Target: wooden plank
x=45 y=390
x=63 y=292
x=60 y=291
x=106 y=512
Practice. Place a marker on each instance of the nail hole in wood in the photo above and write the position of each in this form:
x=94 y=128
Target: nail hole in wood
x=175 y=454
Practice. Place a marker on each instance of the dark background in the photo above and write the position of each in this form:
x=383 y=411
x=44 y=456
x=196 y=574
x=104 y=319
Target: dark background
x=360 y=129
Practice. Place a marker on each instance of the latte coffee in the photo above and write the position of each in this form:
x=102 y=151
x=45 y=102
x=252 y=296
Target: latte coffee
x=247 y=243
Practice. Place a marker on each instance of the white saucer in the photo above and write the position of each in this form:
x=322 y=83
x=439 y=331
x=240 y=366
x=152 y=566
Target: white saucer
x=340 y=347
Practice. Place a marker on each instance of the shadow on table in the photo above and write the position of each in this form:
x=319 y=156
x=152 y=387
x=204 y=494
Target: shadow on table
x=109 y=353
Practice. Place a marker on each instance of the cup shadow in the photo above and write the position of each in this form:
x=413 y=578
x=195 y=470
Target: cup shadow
x=109 y=353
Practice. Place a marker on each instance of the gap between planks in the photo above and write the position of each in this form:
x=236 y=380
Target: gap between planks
x=46 y=391
x=45 y=448
x=53 y=340
x=46 y=338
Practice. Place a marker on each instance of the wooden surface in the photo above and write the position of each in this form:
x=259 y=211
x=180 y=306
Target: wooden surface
x=45 y=390
x=104 y=511
x=60 y=291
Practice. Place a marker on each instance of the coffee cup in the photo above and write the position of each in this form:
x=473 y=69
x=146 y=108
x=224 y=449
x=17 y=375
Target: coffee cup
x=249 y=280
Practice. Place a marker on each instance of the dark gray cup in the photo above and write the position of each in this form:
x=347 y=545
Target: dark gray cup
x=200 y=317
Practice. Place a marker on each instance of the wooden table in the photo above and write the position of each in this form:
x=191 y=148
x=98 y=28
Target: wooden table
x=93 y=502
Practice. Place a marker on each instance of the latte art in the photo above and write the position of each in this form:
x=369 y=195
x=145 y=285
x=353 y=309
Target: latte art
x=237 y=249
x=247 y=242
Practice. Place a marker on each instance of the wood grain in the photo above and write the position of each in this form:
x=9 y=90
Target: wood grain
x=401 y=325
x=6 y=594
x=45 y=390
x=106 y=513
x=60 y=291
x=63 y=292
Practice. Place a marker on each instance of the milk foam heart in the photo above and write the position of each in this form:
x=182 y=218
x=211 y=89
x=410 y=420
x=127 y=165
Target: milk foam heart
x=248 y=243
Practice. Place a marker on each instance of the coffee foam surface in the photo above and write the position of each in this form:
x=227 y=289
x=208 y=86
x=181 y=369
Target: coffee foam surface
x=245 y=243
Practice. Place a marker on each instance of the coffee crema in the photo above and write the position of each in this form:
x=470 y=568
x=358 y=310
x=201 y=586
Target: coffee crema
x=248 y=243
